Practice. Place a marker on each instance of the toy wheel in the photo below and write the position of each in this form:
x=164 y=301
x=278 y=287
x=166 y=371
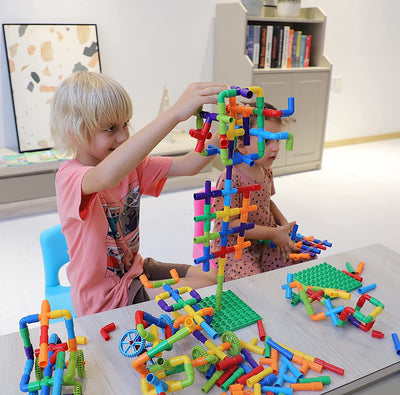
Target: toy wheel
x=38 y=370
x=131 y=344
x=230 y=337
x=77 y=388
x=197 y=352
x=80 y=364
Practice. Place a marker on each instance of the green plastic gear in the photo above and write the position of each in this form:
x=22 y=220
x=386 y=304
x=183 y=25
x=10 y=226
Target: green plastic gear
x=230 y=337
x=80 y=364
x=38 y=370
x=197 y=352
x=77 y=388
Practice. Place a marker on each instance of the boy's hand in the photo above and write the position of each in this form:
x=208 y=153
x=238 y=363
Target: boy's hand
x=195 y=95
x=283 y=241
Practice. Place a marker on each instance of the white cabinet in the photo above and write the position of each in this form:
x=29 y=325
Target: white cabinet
x=309 y=86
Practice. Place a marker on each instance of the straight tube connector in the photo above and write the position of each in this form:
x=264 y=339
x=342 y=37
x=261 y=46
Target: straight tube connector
x=396 y=342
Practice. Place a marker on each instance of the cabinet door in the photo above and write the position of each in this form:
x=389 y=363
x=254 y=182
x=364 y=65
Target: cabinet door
x=308 y=122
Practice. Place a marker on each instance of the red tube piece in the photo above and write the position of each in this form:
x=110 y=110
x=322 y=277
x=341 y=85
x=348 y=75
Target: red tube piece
x=104 y=331
x=358 y=278
x=328 y=366
x=377 y=334
x=228 y=373
x=226 y=362
x=256 y=370
x=261 y=330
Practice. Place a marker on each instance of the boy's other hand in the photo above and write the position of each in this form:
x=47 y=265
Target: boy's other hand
x=195 y=95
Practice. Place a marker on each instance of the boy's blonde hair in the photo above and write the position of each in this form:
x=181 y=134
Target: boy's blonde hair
x=80 y=103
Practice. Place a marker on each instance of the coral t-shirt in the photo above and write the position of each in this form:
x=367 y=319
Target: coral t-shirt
x=102 y=232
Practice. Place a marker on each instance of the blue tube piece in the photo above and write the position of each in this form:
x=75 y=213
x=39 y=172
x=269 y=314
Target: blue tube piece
x=396 y=342
x=366 y=288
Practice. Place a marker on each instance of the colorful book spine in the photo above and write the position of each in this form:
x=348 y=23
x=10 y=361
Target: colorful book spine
x=298 y=45
x=307 y=51
x=290 y=49
x=275 y=47
x=263 y=43
x=302 y=50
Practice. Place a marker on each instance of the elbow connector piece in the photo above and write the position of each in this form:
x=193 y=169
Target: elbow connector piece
x=106 y=329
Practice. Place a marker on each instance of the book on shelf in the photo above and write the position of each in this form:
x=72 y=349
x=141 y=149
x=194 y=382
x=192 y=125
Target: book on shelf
x=302 y=50
x=268 y=46
x=263 y=43
x=286 y=30
x=290 y=48
x=297 y=52
x=280 y=47
x=277 y=46
x=307 y=51
x=250 y=42
x=256 y=46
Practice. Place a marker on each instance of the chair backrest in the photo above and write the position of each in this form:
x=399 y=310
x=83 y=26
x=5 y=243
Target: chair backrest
x=55 y=256
x=54 y=252
x=198 y=206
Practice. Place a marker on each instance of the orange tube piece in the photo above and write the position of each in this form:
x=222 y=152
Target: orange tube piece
x=315 y=386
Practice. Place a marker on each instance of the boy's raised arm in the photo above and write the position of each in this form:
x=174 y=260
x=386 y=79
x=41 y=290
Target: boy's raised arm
x=118 y=164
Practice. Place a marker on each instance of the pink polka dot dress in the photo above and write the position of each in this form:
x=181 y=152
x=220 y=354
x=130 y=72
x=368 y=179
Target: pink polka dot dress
x=257 y=258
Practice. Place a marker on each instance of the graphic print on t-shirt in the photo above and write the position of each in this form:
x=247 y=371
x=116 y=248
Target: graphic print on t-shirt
x=122 y=240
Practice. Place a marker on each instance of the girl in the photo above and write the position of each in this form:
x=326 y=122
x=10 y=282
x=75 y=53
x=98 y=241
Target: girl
x=269 y=222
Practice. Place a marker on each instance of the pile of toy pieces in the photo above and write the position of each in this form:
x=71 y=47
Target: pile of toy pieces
x=324 y=282
x=50 y=359
x=230 y=364
x=308 y=245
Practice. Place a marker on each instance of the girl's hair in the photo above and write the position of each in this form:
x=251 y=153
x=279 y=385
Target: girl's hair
x=80 y=103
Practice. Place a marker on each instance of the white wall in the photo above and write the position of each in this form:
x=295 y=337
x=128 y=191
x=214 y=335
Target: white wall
x=147 y=45
x=362 y=42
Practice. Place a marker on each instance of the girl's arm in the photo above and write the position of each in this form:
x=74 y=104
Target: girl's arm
x=277 y=214
x=278 y=235
x=119 y=163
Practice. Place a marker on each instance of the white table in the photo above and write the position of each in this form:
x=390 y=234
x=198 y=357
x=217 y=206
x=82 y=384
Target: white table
x=365 y=359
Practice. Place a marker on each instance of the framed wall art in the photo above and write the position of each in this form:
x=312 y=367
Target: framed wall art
x=39 y=58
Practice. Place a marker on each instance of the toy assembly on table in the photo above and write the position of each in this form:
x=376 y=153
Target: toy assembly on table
x=232 y=364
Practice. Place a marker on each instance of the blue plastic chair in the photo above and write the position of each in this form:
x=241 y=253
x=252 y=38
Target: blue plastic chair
x=55 y=256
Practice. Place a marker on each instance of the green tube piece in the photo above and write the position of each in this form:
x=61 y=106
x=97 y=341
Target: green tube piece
x=236 y=374
x=289 y=143
x=226 y=94
x=350 y=268
x=321 y=379
x=267 y=348
x=210 y=383
x=189 y=375
x=25 y=337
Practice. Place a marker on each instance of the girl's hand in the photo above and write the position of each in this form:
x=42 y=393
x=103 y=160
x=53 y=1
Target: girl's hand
x=283 y=241
x=195 y=95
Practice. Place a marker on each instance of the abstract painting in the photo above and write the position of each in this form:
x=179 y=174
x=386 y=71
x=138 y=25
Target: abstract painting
x=39 y=58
